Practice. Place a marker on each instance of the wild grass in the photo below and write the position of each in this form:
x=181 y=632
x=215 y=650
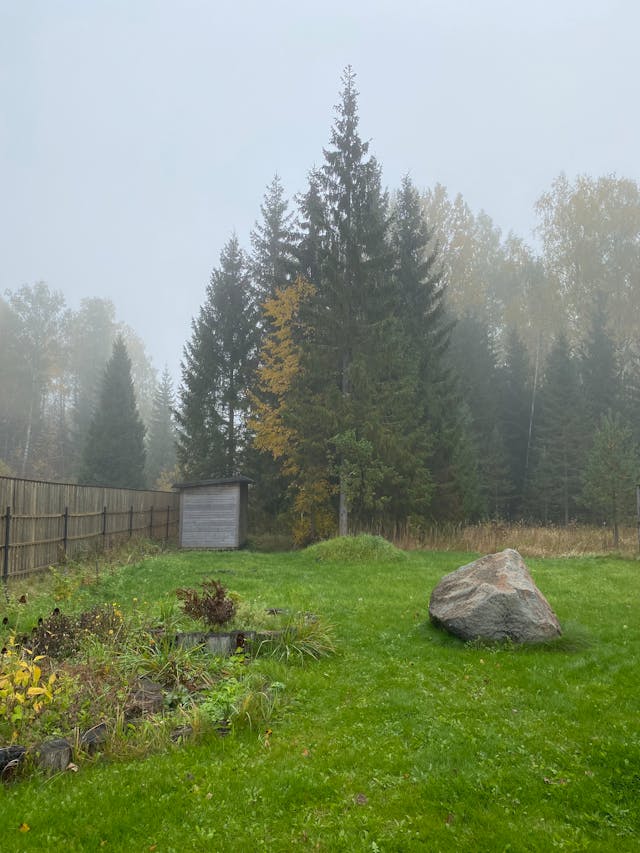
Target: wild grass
x=531 y=540
x=355 y=549
x=406 y=739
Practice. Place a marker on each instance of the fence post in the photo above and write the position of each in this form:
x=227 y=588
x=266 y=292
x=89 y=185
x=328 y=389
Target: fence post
x=104 y=527
x=65 y=530
x=168 y=516
x=130 y=522
x=5 y=557
x=151 y=522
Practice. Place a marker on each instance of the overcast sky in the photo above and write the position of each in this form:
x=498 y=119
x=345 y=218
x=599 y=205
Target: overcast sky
x=136 y=135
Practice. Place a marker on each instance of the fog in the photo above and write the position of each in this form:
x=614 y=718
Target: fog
x=135 y=137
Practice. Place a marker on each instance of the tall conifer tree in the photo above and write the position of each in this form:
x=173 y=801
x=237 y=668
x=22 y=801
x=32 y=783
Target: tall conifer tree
x=161 y=443
x=352 y=293
x=114 y=453
x=216 y=372
x=599 y=366
x=610 y=474
x=272 y=261
x=515 y=407
x=559 y=437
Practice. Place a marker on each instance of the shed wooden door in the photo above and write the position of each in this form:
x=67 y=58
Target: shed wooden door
x=210 y=518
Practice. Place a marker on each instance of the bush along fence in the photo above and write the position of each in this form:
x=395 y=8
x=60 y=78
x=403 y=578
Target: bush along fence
x=44 y=523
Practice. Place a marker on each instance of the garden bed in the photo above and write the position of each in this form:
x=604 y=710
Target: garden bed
x=99 y=682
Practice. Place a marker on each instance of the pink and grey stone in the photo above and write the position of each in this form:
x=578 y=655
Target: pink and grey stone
x=493 y=598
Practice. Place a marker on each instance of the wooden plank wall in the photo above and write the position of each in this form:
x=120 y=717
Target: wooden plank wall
x=210 y=516
x=37 y=515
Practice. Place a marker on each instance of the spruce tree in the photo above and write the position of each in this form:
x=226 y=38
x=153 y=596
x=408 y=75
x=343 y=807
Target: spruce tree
x=599 y=367
x=514 y=411
x=272 y=261
x=559 y=437
x=630 y=388
x=352 y=295
x=423 y=336
x=273 y=268
x=216 y=372
x=92 y=332
x=114 y=454
x=611 y=472
x=369 y=377
x=161 y=439
x=474 y=364
x=310 y=229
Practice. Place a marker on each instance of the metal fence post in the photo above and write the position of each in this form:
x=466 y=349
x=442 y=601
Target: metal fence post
x=7 y=542
x=104 y=527
x=130 y=522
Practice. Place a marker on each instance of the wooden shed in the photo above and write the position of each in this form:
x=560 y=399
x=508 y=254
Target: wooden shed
x=213 y=513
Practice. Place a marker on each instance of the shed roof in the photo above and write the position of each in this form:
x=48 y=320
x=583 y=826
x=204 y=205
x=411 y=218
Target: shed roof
x=221 y=481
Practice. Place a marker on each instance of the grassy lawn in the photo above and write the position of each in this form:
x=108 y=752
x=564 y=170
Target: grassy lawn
x=405 y=740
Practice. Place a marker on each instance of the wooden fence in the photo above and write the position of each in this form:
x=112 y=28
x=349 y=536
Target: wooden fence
x=43 y=523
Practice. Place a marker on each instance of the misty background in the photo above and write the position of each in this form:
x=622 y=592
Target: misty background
x=134 y=137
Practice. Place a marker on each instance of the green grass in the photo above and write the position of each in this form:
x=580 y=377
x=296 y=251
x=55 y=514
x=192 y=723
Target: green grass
x=406 y=739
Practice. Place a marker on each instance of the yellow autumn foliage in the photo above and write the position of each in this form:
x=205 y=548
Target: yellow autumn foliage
x=280 y=369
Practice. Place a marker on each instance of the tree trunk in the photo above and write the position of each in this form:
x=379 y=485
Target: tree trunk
x=343 y=512
x=343 y=509
x=27 y=443
x=531 y=414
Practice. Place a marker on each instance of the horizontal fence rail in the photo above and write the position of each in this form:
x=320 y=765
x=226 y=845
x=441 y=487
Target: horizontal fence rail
x=44 y=523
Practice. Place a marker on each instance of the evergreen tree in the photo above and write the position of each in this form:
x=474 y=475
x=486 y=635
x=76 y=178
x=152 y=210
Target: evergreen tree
x=424 y=335
x=419 y=294
x=367 y=389
x=455 y=465
x=92 y=331
x=114 y=453
x=630 y=388
x=474 y=362
x=310 y=232
x=611 y=473
x=352 y=294
x=272 y=262
x=497 y=484
x=161 y=439
x=273 y=267
x=216 y=372
x=599 y=367
x=515 y=408
x=559 y=439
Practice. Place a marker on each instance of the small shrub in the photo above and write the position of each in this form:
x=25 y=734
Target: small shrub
x=212 y=606
x=24 y=690
x=60 y=635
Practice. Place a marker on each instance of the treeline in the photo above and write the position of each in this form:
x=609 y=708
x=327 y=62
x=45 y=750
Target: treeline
x=80 y=400
x=378 y=358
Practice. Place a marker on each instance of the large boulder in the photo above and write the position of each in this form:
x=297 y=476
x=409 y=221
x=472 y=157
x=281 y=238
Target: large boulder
x=494 y=598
